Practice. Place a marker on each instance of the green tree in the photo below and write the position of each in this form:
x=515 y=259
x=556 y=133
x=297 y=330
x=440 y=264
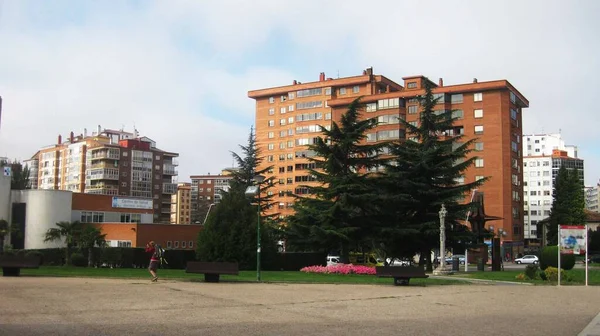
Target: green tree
x=423 y=174
x=338 y=212
x=229 y=234
x=88 y=238
x=594 y=240
x=20 y=175
x=67 y=231
x=568 y=206
x=248 y=163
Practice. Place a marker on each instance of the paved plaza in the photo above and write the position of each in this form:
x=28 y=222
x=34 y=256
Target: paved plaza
x=78 y=306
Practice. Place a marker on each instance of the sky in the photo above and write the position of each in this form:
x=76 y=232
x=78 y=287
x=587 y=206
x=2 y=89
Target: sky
x=180 y=70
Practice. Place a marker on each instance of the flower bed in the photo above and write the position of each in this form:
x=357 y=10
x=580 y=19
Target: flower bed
x=340 y=269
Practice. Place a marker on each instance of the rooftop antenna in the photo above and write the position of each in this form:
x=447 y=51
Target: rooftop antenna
x=338 y=73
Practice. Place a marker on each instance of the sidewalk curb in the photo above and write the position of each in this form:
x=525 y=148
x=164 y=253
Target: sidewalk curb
x=480 y=280
x=593 y=328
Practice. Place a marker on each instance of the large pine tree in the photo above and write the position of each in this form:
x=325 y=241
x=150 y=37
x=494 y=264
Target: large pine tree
x=336 y=213
x=423 y=174
x=568 y=206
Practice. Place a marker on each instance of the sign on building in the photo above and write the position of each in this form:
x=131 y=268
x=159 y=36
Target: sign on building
x=131 y=203
x=7 y=171
x=572 y=239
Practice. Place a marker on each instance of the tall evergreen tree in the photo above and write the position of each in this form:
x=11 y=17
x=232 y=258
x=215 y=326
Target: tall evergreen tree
x=229 y=234
x=20 y=175
x=248 y=166
x=423 y=175
x=568 y=206
x=336 y=213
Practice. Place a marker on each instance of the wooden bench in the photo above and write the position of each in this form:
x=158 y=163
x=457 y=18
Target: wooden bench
x=401 y=274
x=212 y=270
x=12 y=264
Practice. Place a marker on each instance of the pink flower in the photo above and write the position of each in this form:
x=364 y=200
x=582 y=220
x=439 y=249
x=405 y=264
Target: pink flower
x=340 y=269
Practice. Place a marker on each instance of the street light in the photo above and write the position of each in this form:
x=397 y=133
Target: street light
x=207 y=212
x=441 y=270
x=254 y=190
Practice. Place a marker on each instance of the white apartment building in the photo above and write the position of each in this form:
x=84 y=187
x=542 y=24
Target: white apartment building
x=544 y=144
x=592 y=198
x=544 y=155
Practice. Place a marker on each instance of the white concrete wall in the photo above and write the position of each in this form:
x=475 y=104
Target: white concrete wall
x=44 y=209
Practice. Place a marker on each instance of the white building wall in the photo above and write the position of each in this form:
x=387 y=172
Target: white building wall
x=592 y=198
x=544 y=144
x=537 y=192
x=44 y=208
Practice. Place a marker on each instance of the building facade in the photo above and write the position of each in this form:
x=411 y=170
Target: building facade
x=539 y=175
x=206 y=192
x=545 y=144
x=287 y=119
x=109 y=162
x=181 y=204
x=592 y=198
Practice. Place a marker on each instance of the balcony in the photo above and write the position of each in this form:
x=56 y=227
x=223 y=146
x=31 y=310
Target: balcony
x=169 y=188
x=103 y=174
x=102 y=165
x=105 y=154
x=169 y=169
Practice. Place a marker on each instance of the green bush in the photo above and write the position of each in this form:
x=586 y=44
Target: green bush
x=549 y=258
x=78 y=259
x=552 y=274
x=531 y=272
x=34 y=253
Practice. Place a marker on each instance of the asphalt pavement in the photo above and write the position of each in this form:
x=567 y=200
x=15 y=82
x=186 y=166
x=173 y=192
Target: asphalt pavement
x=78 y=306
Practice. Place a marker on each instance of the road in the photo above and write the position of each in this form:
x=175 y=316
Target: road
x=78 y=306
x=512 y=266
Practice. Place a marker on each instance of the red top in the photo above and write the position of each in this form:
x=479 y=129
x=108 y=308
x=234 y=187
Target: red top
x=152 y=250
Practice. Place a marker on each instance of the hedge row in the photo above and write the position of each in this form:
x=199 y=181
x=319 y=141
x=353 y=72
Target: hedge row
x=131 y=257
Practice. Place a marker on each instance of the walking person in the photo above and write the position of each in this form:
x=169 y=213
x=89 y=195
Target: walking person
x=151 y=248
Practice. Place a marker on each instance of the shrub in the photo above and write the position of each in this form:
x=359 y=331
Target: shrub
x=521 y=276
x=543 y=276
x=340 y=269
x=35 y=254
x=531 y=272
x=78 y=259
x=549 y=258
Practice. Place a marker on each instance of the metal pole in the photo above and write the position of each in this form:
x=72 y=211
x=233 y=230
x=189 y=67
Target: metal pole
x=466 y=260
x=586 y=254
x=258 y=236
x=559 y=255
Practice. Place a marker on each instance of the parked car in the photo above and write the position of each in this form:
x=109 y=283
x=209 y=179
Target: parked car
x=461 y=259
x=333 y=260
x=594 y=259
x=527 y=259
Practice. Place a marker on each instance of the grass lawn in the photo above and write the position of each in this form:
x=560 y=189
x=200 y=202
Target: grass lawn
x=245 y=276
x=509 y=275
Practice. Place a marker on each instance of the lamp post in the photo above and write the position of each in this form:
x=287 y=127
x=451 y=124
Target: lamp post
x=441 y=270
x=254 y=190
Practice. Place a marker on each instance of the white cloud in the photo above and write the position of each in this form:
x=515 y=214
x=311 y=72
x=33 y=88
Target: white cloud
x=160 y=63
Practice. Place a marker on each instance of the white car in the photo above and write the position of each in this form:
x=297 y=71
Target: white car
x=527 y=259
x=333 y=260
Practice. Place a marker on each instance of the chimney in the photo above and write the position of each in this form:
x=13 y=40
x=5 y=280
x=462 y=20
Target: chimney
x=364 y=72
x=72 y=137
x=387 y=88
x=294 y=82
x=85 y=132
x=441 y=82
x=99 y=129
x=321 y=77
x=369 y=71
x=474 y=80
x=59 y=139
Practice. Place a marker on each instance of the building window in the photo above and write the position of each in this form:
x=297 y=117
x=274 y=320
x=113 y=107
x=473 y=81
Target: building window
x=479 y=163
x=271 y=111
x=371 y=107
x=123 y=243
x=271 y=146
x=191 y=244
x=169 y=244
x=546 y=192
x=479 y=146
x=282 y=110
x=413 y=109
x=457 y=114
x=328 y=91
x=271 y=100
x=282 y=122
x=271 y=123
x=479 y=129
x=478 y=113
x=355 y=89
x=478 y=97
x=328 y=116
x=342 y=91
x=291 y=108
x=176 y=245
x=479 y=177
x=183 y=244
x=411 y=85
x=456 y=98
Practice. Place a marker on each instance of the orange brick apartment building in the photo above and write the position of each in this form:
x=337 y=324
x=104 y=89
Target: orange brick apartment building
x=287 y=119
